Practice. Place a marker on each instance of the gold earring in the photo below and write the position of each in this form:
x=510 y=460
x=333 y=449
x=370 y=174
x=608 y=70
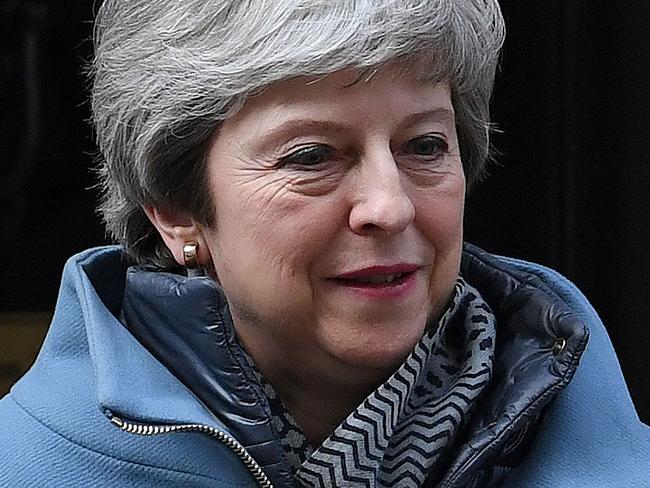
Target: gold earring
x=190 y=255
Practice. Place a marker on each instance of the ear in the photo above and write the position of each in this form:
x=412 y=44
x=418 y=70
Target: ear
x=177 y=228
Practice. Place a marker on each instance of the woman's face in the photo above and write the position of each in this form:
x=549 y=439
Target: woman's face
x=339 y=210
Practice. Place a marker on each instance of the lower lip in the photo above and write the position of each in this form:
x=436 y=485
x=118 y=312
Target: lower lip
x=385 y=291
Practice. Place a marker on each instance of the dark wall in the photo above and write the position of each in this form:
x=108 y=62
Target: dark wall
x=46 y=211
x=572 y=190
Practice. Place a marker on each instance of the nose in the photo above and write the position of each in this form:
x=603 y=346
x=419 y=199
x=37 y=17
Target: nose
x=380 y=201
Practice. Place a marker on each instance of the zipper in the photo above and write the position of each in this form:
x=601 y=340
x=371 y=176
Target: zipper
x=149 y=430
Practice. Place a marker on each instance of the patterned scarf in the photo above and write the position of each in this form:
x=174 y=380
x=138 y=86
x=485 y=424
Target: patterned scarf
x=403 y=432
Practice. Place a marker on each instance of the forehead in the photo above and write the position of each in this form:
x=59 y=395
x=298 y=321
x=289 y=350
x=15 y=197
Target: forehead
x=393 y=90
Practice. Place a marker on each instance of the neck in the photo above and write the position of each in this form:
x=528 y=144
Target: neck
x=319 y=406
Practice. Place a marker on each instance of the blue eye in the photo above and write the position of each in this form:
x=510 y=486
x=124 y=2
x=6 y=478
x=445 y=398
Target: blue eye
x=430 y=146
x=308 y=156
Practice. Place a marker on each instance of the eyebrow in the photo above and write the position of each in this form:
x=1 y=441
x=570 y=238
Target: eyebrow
x=301 y=125
x=443 y=113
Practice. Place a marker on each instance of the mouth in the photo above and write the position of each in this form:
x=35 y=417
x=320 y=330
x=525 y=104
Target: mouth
x=376 y=280
x=380 y=281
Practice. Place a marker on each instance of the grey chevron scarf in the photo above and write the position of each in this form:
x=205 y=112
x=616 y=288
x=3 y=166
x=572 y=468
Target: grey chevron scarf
x=402 y=433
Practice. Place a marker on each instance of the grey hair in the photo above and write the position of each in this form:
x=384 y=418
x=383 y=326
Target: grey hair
x=166 y=73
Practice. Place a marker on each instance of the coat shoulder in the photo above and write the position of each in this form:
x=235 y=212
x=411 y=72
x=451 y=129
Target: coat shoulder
x=591 y=434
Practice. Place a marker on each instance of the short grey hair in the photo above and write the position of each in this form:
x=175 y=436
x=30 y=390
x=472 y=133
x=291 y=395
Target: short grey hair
x=167 y=72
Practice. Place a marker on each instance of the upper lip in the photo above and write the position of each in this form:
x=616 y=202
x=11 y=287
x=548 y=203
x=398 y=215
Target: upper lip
x=379 y=270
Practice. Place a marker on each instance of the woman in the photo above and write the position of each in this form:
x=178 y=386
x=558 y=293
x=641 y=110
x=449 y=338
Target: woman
x=292 y=304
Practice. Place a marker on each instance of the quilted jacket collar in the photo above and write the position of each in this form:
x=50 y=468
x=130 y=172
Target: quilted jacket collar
x=539 y=345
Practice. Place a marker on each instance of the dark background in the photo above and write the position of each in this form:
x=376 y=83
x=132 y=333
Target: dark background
x=572 y=191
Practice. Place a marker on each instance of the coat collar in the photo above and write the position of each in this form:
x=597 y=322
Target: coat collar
x=129 y=380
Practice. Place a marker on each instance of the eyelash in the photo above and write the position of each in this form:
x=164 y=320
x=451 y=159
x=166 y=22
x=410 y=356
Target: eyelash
x=293 y=158
x=326 y=153
x=441 y=146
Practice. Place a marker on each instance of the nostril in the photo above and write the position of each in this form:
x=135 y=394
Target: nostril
x=386 y=207
x=380 y=226
x=369 y=227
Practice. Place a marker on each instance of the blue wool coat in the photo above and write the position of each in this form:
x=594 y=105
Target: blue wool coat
x=59 y=425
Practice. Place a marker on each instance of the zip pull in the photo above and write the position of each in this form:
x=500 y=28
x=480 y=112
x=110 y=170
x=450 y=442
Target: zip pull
x=150 y=429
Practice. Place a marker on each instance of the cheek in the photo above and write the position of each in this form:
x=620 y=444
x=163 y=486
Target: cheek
x=441 y=222
x=268 y=242
x=264 y=262
x=439 y=215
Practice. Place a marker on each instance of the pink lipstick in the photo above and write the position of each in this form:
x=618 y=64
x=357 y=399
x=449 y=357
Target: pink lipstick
x=380 y=282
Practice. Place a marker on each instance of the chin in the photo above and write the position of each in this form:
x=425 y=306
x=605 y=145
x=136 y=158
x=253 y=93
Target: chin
x=385 y=353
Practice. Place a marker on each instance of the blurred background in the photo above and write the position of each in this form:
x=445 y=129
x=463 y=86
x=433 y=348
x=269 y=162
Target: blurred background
x=572 y=190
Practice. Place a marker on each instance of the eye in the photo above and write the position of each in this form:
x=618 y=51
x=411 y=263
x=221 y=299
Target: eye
x=308 y=156
x=430 y=146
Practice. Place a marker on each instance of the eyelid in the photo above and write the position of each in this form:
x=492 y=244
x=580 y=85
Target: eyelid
x=432 y=135
x=303 y=149
x=435 y=135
